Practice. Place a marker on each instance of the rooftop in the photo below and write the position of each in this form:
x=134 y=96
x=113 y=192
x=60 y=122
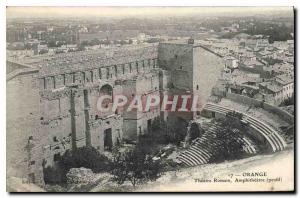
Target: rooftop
x=196 y=43
x=280 y=68
x=84 y=60
x=249 y=62
x=273 y=87
x=284 y=79
x=178 y=41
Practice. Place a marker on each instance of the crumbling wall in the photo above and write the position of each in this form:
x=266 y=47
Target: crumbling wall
x=22 y=124
x=178 y=59
x=136 y=122
x=258 y=103
x=114 y=122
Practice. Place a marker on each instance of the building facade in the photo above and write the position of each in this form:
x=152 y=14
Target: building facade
x=69 y=85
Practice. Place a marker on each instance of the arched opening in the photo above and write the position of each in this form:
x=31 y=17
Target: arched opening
x=92 y=75
x=195 y=131
x=116 y=70
x=106 y=90
x=56 y=157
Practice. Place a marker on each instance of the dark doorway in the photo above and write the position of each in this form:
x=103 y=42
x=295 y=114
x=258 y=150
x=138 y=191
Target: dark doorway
x=194 y=131
x=107 y=140
x=180 y=129
x=213 y=114
x=31 y=178
x=149 y=125
x=56 y=157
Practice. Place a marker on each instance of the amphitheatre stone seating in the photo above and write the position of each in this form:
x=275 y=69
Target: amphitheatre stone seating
x=275 y=141
x=201 y=151
x=274 y=136
x=249 y=146
x=203 y=148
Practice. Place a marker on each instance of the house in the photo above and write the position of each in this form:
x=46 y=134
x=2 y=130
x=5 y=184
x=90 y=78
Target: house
x=278 y=89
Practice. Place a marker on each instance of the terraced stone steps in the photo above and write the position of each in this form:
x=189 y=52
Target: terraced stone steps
x=202 y=149
x=249 y=146
x=275 y=140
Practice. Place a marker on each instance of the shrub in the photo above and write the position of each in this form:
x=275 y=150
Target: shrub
x=230 y=135
x=135 y=166
x=54 y=175
x=87 y=157
x=288 y=101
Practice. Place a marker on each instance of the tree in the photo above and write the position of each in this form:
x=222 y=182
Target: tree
x=95 y=41
x=81 y=47
x=84 y=43
x=51 y=43
x=43 y=51
x=135 y=166
x=288 y=101
x=272 y=61
x=230 y=135
x=87 y=157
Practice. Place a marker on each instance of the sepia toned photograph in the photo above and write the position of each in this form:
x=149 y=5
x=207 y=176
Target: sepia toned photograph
x=150 y=99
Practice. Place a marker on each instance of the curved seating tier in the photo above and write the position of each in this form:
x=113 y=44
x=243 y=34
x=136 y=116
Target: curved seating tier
x=202 y=149
x=275 y=141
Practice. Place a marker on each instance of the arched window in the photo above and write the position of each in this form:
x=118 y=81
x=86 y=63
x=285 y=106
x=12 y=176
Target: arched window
x=83 y=77
x=92 y=79
x=53 y=80
x=100 y=74
x=116 y=70
x=137 y=66
x=130 y=68
x=107 y=73
x=106 y=90
x=64 y=79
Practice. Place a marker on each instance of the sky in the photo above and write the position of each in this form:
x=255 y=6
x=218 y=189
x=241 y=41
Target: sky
x=44 y=12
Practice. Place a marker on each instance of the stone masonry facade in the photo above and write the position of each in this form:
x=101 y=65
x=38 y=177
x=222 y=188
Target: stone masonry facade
x=68 y=88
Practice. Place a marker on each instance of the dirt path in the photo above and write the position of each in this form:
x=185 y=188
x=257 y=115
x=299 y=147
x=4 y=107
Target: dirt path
x=278 y=165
